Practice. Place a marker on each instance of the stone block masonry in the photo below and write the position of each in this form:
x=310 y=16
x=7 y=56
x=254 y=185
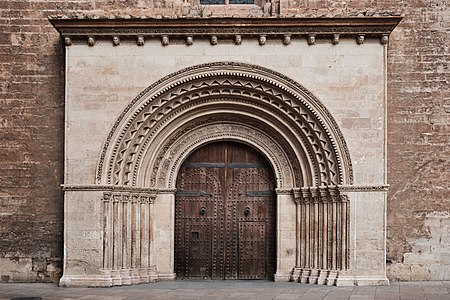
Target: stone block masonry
x=31 y=129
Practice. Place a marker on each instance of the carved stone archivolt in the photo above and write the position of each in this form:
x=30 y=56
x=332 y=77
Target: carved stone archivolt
x=169 y=158
x=301 y=128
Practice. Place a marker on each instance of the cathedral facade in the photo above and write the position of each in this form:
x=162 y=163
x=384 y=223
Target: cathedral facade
x=225 y=141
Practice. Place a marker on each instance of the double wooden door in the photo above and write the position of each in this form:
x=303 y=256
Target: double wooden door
x=225 y=211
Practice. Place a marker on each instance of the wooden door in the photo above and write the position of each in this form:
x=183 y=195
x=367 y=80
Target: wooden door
x=225 y=211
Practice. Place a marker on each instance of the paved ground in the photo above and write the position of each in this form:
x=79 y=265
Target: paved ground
x=260 y=290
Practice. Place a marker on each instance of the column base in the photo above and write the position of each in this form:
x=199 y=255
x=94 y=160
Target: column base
x=166 y=276
x=281 y=276
x=113 y=278
x=84 y=281
x=334 y=277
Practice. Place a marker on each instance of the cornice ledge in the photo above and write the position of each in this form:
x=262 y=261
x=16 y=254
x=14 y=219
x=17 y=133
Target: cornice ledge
x=114 y=188
x=73 y=28
x=345 y=188
x=363 y=188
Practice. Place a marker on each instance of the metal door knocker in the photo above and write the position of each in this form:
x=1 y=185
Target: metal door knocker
x=246 y=211
x=202 y=211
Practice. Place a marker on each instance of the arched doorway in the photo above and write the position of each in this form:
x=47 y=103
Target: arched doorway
x=225 y=210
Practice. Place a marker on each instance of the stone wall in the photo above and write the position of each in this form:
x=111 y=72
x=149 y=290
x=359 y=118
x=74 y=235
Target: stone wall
x=32 y=109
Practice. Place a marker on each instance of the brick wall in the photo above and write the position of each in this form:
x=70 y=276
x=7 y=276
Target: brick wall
x=32 y=141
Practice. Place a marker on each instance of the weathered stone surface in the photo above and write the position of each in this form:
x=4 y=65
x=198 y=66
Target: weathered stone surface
x=31 y=124
x=167 y=121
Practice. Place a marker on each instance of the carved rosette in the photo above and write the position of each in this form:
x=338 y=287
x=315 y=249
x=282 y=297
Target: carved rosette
x=212 y=93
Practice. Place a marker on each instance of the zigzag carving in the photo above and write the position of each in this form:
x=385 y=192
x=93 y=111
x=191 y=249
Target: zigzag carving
x=262 y=95
x=307 y=124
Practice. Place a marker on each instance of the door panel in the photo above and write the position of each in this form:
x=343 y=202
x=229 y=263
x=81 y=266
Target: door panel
x=252 y=250
x=198 y=240
x=197 y=213
x=225 y=198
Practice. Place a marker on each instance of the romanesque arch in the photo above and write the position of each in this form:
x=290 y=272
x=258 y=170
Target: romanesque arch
x=251 y=105
x=225 y=100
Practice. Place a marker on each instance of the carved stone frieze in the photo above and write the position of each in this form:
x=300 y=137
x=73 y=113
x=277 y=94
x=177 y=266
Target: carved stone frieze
x=225 y=27
x=126 y=196
x=116 y=188
x=284 y=191
x=363 y=188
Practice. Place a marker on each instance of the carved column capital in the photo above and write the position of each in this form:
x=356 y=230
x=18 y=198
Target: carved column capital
x=117 y=197
x=315 y=194
x=324 y=194
x=106 y=197
x=343 y=198
x=151 y=198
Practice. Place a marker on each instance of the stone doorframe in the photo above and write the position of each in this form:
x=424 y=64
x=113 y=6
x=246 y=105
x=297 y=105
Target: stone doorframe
x=133 y=198
x=251 y=105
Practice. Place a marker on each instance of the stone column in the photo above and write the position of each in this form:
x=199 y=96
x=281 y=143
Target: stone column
x=286 y=235
x=162 y=254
